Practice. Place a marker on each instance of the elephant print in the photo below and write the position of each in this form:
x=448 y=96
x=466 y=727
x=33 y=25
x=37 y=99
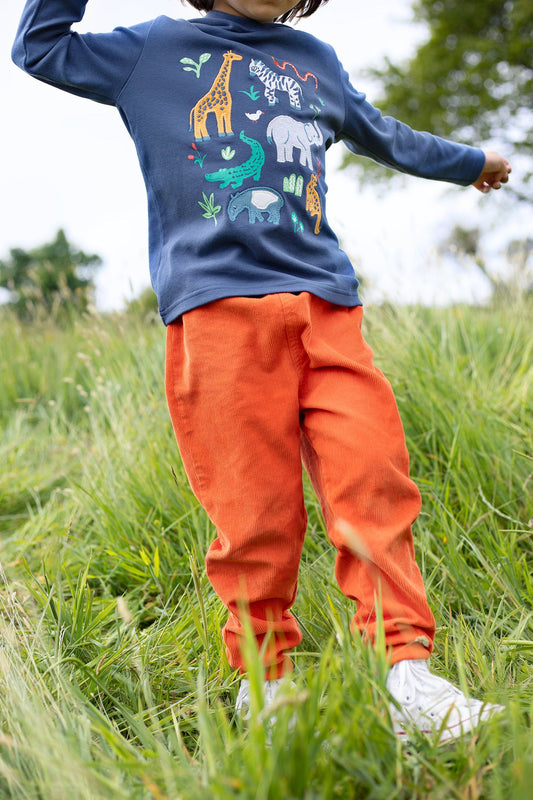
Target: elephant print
x=288 y=133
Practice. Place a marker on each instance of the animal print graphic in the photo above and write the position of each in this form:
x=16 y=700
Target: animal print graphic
x=276 y=83
x=303 y=78
x=250 y=169
x=257 y=202
x=288 y=133
x=312 y=202
x=216 y=101
x=295 y=140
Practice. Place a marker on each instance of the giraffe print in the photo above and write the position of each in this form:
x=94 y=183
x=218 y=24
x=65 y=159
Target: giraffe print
x=216 y=101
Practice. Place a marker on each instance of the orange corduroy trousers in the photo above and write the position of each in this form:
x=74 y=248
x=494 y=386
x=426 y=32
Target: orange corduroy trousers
x=255 y=386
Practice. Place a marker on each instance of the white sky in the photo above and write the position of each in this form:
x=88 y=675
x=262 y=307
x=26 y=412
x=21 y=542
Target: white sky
x=68 y=162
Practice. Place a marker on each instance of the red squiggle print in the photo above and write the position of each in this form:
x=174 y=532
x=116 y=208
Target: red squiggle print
x=302 y=78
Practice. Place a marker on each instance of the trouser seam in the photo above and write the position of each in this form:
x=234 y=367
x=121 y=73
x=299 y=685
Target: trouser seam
x=296 y=360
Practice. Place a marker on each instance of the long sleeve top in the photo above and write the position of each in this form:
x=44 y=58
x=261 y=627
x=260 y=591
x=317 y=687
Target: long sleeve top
x=231 y=120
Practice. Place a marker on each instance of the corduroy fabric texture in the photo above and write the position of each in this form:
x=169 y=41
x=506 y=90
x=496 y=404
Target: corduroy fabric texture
x=255 y=386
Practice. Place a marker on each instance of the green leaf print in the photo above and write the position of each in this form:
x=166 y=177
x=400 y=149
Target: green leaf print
x=252 y=92
x=211 y=210
x=192 y=66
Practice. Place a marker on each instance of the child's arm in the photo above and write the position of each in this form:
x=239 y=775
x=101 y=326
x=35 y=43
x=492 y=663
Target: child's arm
x=394 y=144
x=495 y=171
x=96 y=66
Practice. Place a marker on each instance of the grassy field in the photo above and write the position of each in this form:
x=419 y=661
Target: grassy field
x=113 y=682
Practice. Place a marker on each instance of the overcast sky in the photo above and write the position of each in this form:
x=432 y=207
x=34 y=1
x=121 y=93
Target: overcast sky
x=68 y=162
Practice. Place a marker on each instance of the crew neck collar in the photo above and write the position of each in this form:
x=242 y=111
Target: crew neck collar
x=235 y=21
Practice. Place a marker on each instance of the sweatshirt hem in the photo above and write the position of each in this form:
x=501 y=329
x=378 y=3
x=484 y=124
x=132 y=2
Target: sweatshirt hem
x=196 y=299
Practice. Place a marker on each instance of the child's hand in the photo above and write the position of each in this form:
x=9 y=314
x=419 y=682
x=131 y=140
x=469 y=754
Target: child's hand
x=495 y=172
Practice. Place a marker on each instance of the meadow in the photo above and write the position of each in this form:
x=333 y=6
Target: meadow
x=113 y=680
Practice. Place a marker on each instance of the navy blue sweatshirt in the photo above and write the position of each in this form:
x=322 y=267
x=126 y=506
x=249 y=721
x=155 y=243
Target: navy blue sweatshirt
x=231 y=119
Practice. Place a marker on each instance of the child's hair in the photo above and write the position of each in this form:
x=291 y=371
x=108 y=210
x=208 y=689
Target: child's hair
x=302 y=9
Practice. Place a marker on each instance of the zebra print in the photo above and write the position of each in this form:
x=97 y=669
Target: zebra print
x=276 y=83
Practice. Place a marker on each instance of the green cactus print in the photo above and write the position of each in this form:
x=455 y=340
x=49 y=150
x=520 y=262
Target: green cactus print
x=294 y=185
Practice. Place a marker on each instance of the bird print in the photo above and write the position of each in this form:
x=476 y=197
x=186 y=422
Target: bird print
x=255 y=116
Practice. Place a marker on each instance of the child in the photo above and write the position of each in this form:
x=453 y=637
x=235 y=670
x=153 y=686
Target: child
x=231 y=114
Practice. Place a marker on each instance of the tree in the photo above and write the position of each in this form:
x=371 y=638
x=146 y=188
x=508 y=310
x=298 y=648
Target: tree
x=473 y=78
x=53 y=279
x=515 y=281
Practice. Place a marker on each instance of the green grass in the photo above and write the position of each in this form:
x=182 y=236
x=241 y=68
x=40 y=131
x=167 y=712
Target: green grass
x=113 y=681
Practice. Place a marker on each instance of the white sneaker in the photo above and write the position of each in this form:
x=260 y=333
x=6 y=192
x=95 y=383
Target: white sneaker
x=271 y=690
x=432 y=704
